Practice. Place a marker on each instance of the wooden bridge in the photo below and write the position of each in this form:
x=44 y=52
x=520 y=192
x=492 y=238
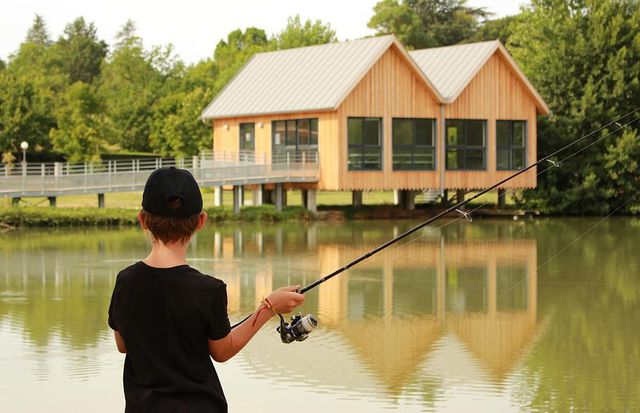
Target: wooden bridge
x=210 y=169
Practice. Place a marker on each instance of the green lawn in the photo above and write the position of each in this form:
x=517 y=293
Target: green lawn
x=132 y=199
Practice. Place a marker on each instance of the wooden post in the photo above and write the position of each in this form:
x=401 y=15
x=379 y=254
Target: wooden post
x=217 y=196
x=356 y=198
x=279 y=197
x=502 y=198
x=311 y=201
x=237 y=198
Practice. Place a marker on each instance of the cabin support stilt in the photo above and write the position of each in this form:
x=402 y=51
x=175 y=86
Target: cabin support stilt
x=238 y=192
x=217 y=196
x=279 y=197
x=502 y=198
x=356 y=198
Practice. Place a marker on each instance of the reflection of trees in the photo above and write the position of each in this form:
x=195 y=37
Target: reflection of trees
x=55 y=284
x=589 y=358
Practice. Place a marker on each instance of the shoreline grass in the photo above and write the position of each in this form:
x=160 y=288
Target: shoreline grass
x=33 y=217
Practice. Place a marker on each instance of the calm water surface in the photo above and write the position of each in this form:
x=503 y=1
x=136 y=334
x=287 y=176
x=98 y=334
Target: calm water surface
x=494 y=316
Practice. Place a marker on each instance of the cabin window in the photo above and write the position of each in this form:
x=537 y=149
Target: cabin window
x=511 y=137
x=247 y=137
x=365 y=144
x=413 y=144
x=294 y=139
x=466 y=144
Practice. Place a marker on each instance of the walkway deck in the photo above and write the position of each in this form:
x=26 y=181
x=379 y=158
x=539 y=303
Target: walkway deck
x=55 y=179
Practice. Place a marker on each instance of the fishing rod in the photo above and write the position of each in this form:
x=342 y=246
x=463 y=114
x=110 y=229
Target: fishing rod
x=301 y=326
x=456 y=207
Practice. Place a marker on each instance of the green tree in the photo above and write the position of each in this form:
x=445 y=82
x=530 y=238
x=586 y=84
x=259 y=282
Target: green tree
x=79 y=52
x=25 y=113
x=176 y=129
x=427 y=23
x=584 y=58
x=28 y=88
x=231 y=54
x=297 y=34
x=394 y=17
x=500 y=29
x=129 y=85
x=81 y=124
x=38 y=32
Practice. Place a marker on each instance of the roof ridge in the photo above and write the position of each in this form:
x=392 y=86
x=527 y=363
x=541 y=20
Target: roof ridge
x=455 y=45
x=336 y=43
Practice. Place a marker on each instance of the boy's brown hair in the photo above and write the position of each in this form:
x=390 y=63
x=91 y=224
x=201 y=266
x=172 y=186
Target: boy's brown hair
x=173 y=228
x=171 y=205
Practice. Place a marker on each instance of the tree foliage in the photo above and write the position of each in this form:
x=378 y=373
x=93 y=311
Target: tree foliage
x=309 y=33
x=584 y=58
x=427 y=23
x=79 y=52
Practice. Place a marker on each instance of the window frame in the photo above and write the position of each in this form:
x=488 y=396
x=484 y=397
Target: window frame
x=464 y=147
x=510 y=147
x=241 y=137
x=364 y=146
x=434 y=140
x=297 y=148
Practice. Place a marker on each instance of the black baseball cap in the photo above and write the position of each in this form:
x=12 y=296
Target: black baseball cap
x=164 y=185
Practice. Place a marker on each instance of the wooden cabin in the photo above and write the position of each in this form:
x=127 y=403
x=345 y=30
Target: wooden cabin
x=381 y=118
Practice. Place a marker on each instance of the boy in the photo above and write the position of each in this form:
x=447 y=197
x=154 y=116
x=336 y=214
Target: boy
x=169 y=318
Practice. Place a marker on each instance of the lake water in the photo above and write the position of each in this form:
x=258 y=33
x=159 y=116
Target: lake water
x=496 y=316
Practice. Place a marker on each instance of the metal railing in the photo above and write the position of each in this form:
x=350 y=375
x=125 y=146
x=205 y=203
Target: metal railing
x=211 y=169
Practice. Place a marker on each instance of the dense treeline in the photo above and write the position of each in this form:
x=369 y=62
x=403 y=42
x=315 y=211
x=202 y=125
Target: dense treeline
x=583 y=56
x=79 y=98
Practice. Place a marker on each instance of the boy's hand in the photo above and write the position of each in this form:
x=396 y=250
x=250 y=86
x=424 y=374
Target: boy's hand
x=285 y=299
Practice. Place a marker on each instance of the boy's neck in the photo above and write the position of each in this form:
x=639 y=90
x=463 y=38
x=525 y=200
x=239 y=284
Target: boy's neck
x=167 y=255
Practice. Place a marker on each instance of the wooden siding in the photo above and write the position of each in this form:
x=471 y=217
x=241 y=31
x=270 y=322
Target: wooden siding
x=495 y=93
x=227 y=139
x=390 y=90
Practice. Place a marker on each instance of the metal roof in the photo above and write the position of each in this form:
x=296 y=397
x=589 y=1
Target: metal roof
x=311 y=78
x=451 y=68
x=295 y=80
x=319 y=78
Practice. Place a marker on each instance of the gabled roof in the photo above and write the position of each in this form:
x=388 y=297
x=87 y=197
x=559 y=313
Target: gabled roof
x=452 y=68
x=315 y=78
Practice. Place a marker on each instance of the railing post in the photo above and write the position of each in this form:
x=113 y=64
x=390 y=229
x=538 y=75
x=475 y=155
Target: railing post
x=42 y=174
x=303 y=160
x=109 y=173
x=57 y=171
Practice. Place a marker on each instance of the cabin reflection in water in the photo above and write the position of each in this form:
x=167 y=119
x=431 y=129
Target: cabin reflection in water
x=420 y=309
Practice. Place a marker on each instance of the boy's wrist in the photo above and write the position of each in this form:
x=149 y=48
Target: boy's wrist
x=265 y=307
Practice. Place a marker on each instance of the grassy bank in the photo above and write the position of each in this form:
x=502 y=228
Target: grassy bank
x=26 y=217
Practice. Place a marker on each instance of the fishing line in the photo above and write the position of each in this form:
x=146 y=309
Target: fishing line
x=459 y=205
x=553 y=164
x=566 y=247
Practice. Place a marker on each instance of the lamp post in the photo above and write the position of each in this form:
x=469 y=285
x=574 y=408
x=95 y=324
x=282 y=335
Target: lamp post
x=24 y=145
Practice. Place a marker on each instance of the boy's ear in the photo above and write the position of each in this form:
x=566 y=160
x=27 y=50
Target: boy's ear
x=202 y=219
x=143 y=224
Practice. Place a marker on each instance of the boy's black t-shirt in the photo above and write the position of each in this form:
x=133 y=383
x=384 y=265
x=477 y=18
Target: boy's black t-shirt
x=166 y=316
